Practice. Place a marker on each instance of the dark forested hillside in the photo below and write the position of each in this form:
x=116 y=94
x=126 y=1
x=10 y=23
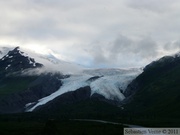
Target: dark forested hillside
x=157 y=90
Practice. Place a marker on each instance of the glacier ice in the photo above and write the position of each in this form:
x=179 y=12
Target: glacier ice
x=111 y=84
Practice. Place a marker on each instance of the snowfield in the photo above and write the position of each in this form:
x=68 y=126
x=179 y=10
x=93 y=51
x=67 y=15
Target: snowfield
x=109 y=83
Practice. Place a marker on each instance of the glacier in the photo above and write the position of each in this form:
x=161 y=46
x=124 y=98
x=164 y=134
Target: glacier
x=111 y=83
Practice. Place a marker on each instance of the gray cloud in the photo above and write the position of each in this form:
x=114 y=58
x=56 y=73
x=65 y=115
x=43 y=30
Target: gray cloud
x=96 y=33
x=124 y=51
x=152 y=5
x=172 y=46
x=145 y=47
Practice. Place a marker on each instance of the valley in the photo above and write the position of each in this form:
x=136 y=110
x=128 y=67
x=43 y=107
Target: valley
x=32 y=96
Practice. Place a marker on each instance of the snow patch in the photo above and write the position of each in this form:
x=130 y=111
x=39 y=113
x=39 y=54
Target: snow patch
x=23 y=53
x=34 y=64
x=29 y=104
x=30 y=62
x=7 y=67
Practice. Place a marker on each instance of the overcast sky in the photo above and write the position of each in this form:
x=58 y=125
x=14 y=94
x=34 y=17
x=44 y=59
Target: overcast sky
x=94 y=33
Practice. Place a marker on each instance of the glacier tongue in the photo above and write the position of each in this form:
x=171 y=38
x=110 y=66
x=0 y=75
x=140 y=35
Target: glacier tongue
x=111 y=84
x=69 y=84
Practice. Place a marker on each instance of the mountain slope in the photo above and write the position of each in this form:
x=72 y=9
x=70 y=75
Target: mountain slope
x=156 y=91
x=12 y=65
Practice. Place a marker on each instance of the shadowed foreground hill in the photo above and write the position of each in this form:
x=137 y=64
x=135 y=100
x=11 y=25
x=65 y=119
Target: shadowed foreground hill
x=156 y=91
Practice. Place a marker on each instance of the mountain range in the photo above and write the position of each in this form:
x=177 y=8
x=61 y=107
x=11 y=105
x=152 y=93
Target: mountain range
x=47 y=85
x=27 y=85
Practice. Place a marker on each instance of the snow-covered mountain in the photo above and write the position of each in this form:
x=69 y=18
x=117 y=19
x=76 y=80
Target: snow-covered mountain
x=69 y=77
x=17 y=60
x=53 y=64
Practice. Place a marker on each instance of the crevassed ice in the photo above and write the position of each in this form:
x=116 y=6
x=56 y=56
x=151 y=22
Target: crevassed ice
x=7 y=66
x=108 y=86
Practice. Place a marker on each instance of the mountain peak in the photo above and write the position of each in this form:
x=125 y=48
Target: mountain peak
x=16 y=60
x=17 y=48
x=16 y=51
